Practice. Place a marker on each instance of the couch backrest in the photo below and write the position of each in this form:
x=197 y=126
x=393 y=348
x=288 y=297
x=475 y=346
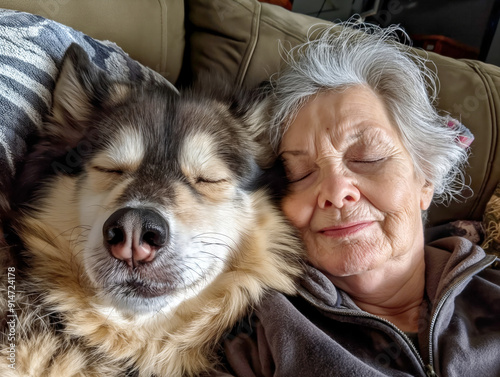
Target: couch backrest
x=150 y=31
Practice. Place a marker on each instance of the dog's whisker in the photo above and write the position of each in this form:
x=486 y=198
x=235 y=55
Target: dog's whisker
x=214 y=235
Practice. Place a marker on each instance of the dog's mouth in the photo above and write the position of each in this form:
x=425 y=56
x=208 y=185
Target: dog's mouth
x=150 y=281
x=139 y=295
x=144 y=289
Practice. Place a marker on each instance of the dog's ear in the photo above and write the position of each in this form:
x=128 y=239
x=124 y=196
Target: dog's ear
x=258 y=109
x=258 y=114
x=78 y=79
x=80 y=90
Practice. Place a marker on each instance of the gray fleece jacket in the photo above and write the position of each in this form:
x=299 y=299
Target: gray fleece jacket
x=321 y=332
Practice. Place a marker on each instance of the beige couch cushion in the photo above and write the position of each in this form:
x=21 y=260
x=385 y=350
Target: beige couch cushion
x=470 y=91
x=150 y=31
x=241 y=38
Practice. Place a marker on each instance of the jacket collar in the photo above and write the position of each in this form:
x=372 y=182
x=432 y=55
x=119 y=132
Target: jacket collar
x=450 y=260
x=447 y=260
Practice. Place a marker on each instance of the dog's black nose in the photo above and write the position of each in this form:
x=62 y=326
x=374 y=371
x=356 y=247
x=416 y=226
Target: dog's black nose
x=135 y=234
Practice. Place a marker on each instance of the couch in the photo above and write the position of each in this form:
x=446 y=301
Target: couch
x=241 y=38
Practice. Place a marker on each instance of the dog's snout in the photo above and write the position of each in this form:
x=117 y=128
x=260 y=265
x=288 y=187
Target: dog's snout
x=135 y=235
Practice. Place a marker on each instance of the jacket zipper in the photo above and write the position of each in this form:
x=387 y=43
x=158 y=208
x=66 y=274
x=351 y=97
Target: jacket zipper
x=429 y=368
x=356 y=313
x=469 y=272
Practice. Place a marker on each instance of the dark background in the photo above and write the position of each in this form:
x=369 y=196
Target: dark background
x=457 y=28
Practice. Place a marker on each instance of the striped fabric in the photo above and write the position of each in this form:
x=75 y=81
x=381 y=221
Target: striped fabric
x=31 y=49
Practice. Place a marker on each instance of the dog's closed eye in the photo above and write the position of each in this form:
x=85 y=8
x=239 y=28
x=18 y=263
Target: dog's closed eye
x=103 y=177
x=211 y=180
x=108 y=170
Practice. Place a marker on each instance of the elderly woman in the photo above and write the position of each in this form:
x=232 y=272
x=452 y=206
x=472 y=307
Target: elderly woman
x=365 y=153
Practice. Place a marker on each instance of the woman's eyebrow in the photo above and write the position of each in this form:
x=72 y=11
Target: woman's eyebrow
x=354 y=136
x=366 y=134
x=293 y=153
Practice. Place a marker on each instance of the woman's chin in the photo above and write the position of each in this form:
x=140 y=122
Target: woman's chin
x=348 y=260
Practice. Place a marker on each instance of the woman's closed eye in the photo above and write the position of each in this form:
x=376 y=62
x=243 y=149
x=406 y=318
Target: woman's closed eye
x=367 y=165
x=369 y=160
x=296 y=172
x=297 y=177
x=300 y=173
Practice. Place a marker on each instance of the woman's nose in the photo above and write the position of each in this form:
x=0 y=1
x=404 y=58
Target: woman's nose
x=337 y=189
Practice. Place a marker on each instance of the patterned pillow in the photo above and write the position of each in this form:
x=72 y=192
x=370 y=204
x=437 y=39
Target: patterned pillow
x=31 y=49
x=472 y=230
x=491 y=224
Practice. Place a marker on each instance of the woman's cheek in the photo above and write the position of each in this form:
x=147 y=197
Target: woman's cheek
x=297 y=209
x=396 y=193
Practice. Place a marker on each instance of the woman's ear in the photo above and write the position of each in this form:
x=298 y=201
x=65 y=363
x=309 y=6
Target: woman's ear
x=426 y=195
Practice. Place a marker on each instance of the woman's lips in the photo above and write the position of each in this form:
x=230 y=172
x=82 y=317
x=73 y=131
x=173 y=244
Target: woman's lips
x=345 y=230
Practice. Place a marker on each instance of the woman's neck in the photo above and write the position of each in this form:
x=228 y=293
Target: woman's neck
x=394 y=293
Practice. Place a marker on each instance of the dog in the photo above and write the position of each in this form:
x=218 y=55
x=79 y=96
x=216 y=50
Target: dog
x=147 y=228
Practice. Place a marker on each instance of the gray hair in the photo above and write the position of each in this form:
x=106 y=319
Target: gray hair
x=352 y=54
